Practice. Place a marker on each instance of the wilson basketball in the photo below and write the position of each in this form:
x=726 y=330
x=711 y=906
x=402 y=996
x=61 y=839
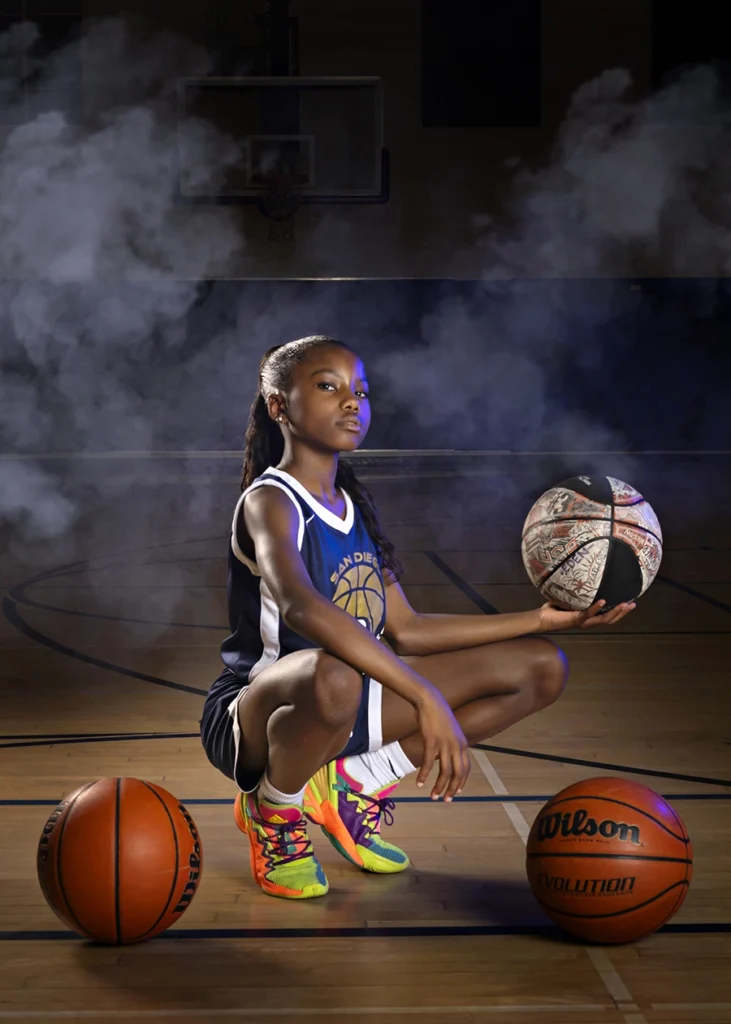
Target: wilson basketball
x=589 y=539
x=609 y=860
x=119 y=860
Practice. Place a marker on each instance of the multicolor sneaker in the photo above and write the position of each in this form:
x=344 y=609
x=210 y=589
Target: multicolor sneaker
x=280 y=851
x=351 y=820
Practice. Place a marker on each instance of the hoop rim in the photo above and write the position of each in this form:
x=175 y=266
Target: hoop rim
x=281 y=193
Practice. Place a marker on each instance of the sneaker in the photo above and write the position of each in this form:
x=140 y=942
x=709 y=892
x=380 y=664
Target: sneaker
x=280 y=851
x=351 y=820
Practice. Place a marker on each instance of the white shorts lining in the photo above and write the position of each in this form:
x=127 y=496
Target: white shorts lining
x=375 y=725
x=233 y=710
x=375 y=715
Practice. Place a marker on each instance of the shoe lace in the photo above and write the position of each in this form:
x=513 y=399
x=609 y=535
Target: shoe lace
x=373 y=809
x=287 y=841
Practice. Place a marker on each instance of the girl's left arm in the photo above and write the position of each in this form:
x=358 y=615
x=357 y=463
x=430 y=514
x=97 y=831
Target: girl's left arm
x=412 y=633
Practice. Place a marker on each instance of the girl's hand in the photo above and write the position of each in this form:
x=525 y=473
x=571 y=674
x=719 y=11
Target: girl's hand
x=551 y=618
x=445 y=742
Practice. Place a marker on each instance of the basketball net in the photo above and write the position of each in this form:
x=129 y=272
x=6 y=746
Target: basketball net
x=280 y=202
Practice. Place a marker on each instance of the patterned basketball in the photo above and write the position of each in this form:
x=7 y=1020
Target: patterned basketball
x=119 y=860
x=591 y=538
x=609 y=860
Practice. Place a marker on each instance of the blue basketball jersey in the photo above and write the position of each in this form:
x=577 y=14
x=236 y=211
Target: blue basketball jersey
x=343 y=565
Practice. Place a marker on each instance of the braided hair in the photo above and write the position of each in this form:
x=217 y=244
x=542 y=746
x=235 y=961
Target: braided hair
x=264 y=444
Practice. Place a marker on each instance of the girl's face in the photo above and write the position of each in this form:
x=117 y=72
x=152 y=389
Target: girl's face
x=328 y=399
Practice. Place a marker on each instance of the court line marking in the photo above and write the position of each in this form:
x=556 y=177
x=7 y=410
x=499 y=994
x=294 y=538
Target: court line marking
x=604 y=765
x=604 y=967
x=332 y=1011
x=697 y=594
x=675 y=1007
x=42 y=606
x=466 y=589
x=13 y=616
x=300 y=1011
x=391 y=931
x=477 y=599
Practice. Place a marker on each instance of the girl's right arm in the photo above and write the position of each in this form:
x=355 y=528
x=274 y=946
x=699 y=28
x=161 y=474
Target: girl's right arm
x=272 y=524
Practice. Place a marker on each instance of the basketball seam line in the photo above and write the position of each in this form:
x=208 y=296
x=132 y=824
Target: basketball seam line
x=59 y=877
x=117 y=813
x=592 y=519
x=610 y=555
x=612 y=856
x=592 y=540
x=177 y=863
x=588 y=519
x=565 y=519
x=616 y=913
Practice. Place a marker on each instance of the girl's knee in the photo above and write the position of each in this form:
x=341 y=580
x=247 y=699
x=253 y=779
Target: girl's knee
x=336 y=690
x=547 y=672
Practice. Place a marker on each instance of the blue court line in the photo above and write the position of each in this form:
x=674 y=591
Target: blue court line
x=491 y=799
x=700 y=780
x=30 y=603
x=11 y=741
x=722 y=605
x=60 y=740
x=397 y=931
x=13 y=616
x=482 y=603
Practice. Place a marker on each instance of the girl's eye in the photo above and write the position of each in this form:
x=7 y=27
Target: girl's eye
x=324 y=384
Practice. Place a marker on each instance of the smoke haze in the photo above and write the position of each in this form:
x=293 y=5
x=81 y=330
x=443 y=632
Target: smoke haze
x=113 y=340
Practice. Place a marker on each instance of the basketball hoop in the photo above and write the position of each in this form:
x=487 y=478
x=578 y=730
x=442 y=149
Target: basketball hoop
x=279 y=201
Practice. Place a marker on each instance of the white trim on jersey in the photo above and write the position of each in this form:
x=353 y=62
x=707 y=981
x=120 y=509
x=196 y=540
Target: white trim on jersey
x=327 y=516
x=269 y=629
x=269 y=615
x=234 y=540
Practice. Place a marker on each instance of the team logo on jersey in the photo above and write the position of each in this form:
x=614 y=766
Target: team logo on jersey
x=359 y=589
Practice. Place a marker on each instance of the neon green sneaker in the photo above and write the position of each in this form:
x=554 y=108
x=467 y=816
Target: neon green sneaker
x=280 y=851
x=351 y=820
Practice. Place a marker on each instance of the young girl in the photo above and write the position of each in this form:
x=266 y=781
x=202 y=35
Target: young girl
x=297 y=719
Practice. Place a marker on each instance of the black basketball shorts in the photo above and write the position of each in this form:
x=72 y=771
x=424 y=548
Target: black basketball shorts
x=221 y=735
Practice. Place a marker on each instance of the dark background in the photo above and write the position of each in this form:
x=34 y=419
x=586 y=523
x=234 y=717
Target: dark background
x=549 y=272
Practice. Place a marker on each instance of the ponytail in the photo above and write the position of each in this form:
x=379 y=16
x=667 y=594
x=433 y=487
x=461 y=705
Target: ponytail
x=346 y=479
x=263 y=445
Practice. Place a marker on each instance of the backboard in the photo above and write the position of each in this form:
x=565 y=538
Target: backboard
x=304 y=139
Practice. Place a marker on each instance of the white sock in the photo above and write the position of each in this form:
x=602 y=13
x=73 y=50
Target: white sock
x=378 y=769
x=276 y=796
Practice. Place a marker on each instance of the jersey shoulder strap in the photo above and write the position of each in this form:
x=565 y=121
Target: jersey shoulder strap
x=265 y=481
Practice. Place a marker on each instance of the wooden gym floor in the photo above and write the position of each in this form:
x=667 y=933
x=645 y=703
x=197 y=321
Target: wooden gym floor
x=110 y=638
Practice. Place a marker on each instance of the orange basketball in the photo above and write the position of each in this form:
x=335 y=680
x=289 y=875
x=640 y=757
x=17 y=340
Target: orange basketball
x=119 y=860
x=609 y=860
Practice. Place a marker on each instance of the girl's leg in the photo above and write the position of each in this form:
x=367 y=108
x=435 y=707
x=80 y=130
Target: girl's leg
x=489 y=688
x=298 y=713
